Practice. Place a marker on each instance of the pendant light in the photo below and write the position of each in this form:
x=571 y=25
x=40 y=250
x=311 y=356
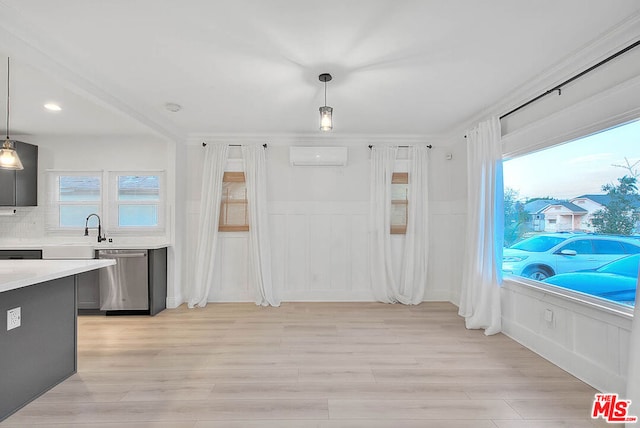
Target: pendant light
x=326 y=112
x=9 y=158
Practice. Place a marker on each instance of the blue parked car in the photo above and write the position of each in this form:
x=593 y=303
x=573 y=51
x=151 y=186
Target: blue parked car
x=545 y=255
x=615 y=281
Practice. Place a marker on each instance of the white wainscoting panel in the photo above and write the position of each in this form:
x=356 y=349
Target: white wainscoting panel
x=589 y=342
x=320 y=251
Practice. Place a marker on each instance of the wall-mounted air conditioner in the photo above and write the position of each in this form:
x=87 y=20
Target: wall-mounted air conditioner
x=318 y=156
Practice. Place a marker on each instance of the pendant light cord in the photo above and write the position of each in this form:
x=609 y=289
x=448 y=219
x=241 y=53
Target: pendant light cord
x=8 y=71
x=325 y=93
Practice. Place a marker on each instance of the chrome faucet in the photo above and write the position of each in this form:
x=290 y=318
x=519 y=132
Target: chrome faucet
x=86 y=228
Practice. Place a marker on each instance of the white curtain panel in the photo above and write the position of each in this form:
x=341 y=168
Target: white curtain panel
x=482 y=274
x=383 y=160
x=410 y=289
x=413 y=278
x=255 y=171
x=215 y=159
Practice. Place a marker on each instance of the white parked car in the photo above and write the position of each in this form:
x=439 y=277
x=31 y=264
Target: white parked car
x=545 y=255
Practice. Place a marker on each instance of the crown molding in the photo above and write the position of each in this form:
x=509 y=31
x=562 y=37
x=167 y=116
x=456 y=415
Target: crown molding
x=289 y=139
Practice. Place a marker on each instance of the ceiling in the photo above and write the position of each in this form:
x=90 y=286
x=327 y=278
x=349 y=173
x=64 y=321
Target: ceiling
x=252 y=66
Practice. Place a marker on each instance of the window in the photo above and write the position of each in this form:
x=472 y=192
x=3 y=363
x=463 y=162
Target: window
x=134 y=202
x=590 y=244
x=399 y=202
x=234 y=216
x=72 y=197
x=580 y=246
x=137 y=201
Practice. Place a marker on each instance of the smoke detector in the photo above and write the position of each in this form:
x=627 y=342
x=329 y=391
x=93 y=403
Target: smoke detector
x=173 y=107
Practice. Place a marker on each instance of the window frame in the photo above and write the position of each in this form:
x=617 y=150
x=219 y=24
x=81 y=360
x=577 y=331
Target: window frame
x=107 y=204
x=112 y=220
x=512 y=151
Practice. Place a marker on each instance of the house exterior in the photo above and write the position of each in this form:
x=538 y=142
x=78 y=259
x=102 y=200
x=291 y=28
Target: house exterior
x=563 y=216
x=592 y=204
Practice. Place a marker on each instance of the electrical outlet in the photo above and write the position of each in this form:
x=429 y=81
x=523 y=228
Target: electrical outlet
x=548 y=315
x=13 y=318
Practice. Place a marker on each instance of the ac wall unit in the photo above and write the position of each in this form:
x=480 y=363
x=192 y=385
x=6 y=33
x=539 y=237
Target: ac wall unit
x=318 y=156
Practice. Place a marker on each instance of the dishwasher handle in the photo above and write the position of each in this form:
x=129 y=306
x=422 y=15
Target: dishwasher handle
x=120 y=256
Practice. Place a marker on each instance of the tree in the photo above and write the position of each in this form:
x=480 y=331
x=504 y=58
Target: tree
x=618 y=216
x=515 y=218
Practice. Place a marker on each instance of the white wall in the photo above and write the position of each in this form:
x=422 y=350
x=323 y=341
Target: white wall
x=319 y=226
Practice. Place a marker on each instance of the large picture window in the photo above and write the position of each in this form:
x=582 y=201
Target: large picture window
x=572 y=215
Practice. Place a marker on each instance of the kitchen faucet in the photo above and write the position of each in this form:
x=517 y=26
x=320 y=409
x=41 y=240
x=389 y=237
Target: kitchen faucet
x=86 y=228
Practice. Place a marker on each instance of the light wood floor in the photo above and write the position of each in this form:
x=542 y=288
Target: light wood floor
x=318 y=365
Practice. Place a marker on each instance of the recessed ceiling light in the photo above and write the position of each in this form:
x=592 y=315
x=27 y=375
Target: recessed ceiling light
x=173 y=107
x=52 y=107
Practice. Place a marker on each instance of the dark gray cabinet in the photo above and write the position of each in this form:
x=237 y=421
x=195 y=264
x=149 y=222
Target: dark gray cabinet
x=20 y=188
x=41 y=352
x=157 y=280
x=88 y=291
x=20 y=254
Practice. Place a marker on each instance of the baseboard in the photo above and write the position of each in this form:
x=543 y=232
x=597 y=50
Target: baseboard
x=174 y=302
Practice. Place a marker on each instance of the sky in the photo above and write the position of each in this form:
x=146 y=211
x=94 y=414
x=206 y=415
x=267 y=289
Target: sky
x=575 y=168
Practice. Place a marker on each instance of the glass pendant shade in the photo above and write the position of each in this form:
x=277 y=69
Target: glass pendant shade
x=9 y=158
x=326 y=121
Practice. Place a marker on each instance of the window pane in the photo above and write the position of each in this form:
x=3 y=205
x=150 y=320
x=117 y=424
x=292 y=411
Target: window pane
x=581 y=246
x=233 y=209
x=399 y=204
x=138 y=188
x=602 y=246
x=137 y=215
x=398 y=214
x=76 y=215
x=78 y=188
x=570 y=197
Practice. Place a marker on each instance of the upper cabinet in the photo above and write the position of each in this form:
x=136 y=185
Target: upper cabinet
x=20 y=188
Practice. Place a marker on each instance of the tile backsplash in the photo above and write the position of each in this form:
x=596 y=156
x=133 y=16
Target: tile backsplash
x=26 y=223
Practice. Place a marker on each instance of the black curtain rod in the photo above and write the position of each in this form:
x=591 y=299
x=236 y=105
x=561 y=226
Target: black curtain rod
x=234 y=145
x=429 y=146
x=577 y=76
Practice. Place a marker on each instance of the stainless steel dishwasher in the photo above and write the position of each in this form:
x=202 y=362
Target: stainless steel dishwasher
x=124 y=286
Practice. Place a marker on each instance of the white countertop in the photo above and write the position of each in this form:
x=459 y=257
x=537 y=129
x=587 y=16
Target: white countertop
x=101 y=246
x=22 y=273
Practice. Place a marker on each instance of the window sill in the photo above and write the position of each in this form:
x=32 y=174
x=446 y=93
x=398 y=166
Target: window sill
x=580 y=299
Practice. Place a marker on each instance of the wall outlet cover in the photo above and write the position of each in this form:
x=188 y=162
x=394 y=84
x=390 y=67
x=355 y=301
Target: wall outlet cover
x=548 y=315
x=14 y=318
